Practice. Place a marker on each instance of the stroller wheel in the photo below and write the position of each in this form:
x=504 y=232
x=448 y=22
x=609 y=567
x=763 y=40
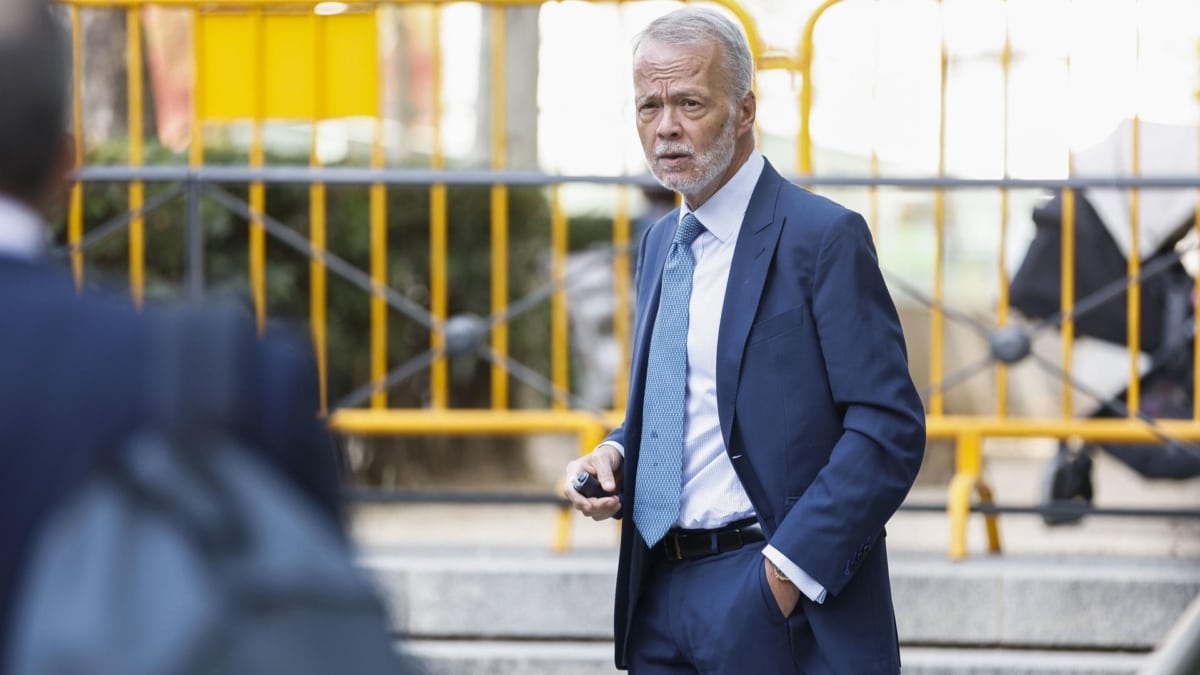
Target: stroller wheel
x=1068 y=483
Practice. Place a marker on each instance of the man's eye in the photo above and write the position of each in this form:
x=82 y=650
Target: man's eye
x=690 y=104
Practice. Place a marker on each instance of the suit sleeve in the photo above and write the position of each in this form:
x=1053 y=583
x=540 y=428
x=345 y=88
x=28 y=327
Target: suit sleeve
x=873 y=464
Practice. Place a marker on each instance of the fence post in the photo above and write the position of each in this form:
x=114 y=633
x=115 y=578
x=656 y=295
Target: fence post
x=968 y=463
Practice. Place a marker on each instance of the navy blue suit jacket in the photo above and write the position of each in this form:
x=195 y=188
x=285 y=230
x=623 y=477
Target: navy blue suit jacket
x=71 y=390
x=817 y=408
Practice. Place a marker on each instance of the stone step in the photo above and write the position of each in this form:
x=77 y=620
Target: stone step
x=469 y=657
x=1061 y=602
x=1023 y=602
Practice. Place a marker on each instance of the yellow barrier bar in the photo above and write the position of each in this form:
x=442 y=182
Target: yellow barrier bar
x=1087 y=429
x=258 y=239
x=196 y=127
x=468 y=422
x=1134 y=312
x=1067 y=281
x=488 y=421
x=137 y=194
x=968 y=480
x=318 y=299
x=969 y=463
x=1067 y=328
x=559 y=365
x=499 y=213
x=1002 y=263
x=622 y=331
x=439 y=381
x=937 y=319
x=379 y=276
x=75 y=212
x=438 y=302
x=804 y=163
x=316 y=233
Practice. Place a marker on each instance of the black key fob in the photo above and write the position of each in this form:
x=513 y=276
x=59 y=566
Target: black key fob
x=587 y=485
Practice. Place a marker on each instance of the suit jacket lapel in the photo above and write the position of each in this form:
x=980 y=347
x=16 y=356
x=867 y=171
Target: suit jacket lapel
x=752 y=257
x=657 y=243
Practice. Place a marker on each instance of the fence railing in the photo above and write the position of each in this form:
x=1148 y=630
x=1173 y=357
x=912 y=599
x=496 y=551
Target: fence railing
x=365 y=410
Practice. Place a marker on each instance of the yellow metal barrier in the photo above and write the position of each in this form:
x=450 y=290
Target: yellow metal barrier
x=329 y=69
x=137 y=228
x=302 y=65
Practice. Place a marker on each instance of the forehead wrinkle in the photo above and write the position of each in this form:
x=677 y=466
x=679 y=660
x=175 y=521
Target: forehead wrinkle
x=675 y=66
x=672 y=79
x=665 y=67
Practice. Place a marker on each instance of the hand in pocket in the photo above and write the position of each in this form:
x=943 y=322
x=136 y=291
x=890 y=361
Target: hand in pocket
x=787 y=596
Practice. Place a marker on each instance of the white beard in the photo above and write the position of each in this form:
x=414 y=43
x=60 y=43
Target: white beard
x=708 y=166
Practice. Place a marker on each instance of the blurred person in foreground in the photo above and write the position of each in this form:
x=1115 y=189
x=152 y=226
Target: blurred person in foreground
x=72 y=366
x=772 y=427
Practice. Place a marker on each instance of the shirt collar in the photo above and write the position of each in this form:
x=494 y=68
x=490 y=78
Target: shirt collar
x=722 y=214
x=22 y=231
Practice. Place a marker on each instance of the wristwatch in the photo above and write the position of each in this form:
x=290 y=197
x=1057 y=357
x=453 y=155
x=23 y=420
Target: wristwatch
x=779 y=573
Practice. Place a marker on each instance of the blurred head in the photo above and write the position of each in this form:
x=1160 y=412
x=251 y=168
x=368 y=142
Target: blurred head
x=34 y=77
x=692 y=71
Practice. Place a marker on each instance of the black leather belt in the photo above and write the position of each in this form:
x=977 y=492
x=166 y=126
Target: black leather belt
x=680 y=544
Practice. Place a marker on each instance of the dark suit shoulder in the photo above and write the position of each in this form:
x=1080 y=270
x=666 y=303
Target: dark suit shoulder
x=808 y=215
x=814 y=210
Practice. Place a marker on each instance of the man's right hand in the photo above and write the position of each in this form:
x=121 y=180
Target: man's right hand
x=605 y=464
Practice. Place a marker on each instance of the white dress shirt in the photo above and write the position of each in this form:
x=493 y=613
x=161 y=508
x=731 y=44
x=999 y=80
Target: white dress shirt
x=22 y=233
x=713 y=495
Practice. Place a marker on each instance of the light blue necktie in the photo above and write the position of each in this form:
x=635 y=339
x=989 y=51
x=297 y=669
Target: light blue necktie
x=660 y=460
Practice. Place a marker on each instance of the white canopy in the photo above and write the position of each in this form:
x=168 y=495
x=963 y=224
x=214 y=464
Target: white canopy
x=1165 y=150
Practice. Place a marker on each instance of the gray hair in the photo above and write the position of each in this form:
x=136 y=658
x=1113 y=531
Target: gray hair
x=694 y=26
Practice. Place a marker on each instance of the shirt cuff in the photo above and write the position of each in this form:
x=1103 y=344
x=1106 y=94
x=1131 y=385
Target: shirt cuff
x=620 y=448
x=810 y=587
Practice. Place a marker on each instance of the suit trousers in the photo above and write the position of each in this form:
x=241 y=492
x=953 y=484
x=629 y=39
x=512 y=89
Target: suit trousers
x=713 y=616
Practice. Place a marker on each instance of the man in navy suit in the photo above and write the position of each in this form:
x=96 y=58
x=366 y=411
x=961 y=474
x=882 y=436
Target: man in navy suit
x=72 y=366
x=772 y=427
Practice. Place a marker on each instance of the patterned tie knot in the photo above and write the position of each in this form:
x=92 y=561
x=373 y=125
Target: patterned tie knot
x=688 y=230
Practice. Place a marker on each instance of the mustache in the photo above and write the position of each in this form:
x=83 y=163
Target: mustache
x=668 y=148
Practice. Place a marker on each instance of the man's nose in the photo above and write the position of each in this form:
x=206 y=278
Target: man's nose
x=668 y=124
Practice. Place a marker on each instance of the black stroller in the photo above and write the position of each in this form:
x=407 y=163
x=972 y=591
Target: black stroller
x=1167 y=321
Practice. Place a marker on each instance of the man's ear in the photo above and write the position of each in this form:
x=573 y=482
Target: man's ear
x=747 y=110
